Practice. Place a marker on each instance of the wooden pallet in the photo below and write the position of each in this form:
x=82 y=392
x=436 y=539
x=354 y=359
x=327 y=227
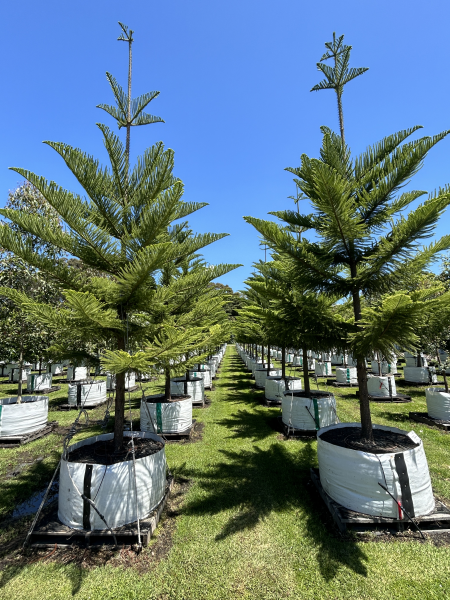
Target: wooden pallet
x=266 y=402
x=181 y=435
x=13 y=441
x=292 y=432
x=199 y=404
x=76 y=407
x=54 y=388
x=397 y=399
x=422 y=417
x=338 y=384
x=332 y=377
x=131 y=389
x=50 y=531
x=436 y=522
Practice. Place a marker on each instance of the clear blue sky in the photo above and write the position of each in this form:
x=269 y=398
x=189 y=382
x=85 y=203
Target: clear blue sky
x=234 y=79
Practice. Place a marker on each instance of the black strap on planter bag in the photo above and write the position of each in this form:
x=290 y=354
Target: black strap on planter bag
x=87 y=494
x=403 y=479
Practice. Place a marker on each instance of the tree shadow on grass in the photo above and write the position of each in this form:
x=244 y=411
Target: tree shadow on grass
x=247 y=424
x=253 y=484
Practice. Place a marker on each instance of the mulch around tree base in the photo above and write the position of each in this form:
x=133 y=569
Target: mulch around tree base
x=384 y=441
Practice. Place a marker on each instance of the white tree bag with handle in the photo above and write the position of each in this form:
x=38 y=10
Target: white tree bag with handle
x=111 y=487
x=350 y=477
x=438 y=403
x=27 y=417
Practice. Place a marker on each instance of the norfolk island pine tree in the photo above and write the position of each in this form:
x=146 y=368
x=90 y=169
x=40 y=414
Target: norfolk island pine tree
x=364 y=244
x=119 y=229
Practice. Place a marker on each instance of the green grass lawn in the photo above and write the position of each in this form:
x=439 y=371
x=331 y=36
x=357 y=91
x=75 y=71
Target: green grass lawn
x=250 y=524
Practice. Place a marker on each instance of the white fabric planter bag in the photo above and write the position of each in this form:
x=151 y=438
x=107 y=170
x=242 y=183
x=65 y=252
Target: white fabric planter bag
x=261 y=376
x=76 y=373
x=346 y=375
x=212 y=365
x=379 y=386
x=420 y=374
x=27 y=417
x=205 y=374
x=323 y=368
x=193 y=388
x=438 y=403
x=324 y=357
x=276 y=386
x=386 y=368
x=38 y=383
x=279 y=355
x=337 y=359
x=311 y=364
x=10 y=367
x=350 y=477
x=260 y=365
x=289 y=358
x=14 y=376
x=130 y=381
x=416 y=361
x=87 y=394
x=443 y=355
x=56 y=369
x=351 y=362
x=308 y=413
x=166 y=417
x=112 y=487
x=298 y=361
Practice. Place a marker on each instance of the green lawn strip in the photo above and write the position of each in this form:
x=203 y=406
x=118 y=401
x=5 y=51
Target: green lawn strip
x=251 y=525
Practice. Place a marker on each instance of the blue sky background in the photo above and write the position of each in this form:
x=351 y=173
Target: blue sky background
x=234 y=79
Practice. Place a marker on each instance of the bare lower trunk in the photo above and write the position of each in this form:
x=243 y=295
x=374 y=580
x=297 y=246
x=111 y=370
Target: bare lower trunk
x=262 y=356
x=167 y=385
x=40 y=365
x=268 y=360
x=445 y=381
x=283 y=363
x=19 y=389
x=366 y=420
x=364 y=402
x=119 y=412
x=306 y=371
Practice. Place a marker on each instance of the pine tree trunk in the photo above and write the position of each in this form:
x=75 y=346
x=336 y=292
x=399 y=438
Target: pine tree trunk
x=364 y=402
x=19 y=389
x=306 y=372
x=119 y=412
x=167 y=385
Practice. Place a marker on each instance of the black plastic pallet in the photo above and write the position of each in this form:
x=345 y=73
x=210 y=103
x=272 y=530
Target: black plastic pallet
x=13 y=441
x=436 y=522
x=424 y=418
x=50 y=531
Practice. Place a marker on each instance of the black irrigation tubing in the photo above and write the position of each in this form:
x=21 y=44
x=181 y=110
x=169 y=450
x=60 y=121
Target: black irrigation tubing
x=402 y=509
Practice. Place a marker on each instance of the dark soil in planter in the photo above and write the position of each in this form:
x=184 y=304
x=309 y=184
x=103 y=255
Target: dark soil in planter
x=102 y=452
x=312 y=394
x=384 y=441
x=159 y=398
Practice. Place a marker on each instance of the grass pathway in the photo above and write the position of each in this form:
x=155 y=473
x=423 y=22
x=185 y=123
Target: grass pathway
x=251 y=526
